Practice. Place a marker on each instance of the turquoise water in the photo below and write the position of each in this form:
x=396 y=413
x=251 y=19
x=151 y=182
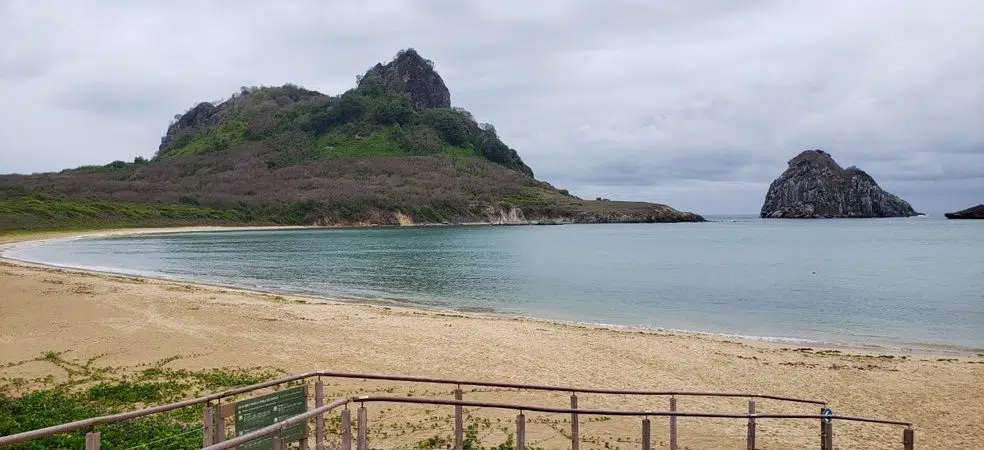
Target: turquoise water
x=915 y=282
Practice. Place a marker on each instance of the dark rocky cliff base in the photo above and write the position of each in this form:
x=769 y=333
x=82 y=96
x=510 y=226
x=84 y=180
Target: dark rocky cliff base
x=815 y=186
x=974 y=212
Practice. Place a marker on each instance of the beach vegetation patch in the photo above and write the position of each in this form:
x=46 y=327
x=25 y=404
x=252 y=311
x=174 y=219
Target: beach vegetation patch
x=88 y=390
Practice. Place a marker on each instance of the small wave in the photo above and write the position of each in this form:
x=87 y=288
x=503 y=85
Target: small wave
x=475 y=309
x=791 y=340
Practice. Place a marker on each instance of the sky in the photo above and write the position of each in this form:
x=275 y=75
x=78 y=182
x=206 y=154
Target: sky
x=697 y=104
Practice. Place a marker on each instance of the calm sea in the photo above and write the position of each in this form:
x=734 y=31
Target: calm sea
x=913 y=283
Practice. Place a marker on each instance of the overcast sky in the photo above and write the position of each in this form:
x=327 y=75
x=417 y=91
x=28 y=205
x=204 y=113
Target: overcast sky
x=698 y=104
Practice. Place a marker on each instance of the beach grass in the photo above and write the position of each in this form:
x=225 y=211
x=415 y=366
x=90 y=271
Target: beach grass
x=85 y=389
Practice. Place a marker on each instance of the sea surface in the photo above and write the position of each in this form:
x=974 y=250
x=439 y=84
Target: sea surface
x=915 y=283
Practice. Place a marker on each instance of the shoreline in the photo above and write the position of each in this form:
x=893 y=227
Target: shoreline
x=8 y=242
x=125 y=324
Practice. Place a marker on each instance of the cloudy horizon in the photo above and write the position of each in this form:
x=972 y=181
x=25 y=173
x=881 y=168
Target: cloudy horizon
x=698 y=105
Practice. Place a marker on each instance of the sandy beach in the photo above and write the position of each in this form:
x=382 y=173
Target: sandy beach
x=128 y=321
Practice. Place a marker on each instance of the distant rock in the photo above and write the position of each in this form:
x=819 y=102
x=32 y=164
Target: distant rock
x=409 y=72
x=974 y=212
x=815 y=186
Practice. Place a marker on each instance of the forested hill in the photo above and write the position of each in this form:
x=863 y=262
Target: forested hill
x=392 y=150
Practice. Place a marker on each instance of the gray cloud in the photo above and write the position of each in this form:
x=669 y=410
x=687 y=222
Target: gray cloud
x=696 y=104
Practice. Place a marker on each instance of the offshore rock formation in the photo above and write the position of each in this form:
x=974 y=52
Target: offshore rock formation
x=815 y=186
x=974 y=212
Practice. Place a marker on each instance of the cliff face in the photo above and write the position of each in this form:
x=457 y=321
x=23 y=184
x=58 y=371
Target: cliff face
x=974 y=212
x=815 y=186
x=411 y=73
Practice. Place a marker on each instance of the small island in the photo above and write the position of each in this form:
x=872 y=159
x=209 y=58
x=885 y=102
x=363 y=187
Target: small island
x=974 y=212
x=815 y=186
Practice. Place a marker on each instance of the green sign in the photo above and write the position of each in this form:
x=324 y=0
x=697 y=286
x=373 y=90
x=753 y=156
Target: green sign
x=255 y=413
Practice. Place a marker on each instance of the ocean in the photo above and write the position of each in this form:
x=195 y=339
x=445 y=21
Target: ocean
x=913 y=283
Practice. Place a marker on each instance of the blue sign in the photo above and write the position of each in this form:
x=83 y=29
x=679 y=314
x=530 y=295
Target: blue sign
x=826 y=412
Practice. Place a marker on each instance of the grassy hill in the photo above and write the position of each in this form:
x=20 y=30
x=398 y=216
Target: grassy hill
x=390 y=151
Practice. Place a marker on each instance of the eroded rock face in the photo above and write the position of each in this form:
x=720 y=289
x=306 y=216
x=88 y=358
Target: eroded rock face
x=409 y=72
x=815 y=186
x=198 y=116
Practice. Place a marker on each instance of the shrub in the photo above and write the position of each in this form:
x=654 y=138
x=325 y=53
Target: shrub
x=422 y=140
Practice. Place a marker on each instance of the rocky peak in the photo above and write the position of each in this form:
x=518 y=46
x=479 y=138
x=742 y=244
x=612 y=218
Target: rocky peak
x=815 y=160
x=197 y=116
x=814 y=186
x=411 y=73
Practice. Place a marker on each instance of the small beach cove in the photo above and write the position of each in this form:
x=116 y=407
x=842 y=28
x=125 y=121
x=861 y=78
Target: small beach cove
x=133 y=320
x=880 y=284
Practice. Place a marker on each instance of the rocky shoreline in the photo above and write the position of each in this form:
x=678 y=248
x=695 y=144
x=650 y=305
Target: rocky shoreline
x=589 y=212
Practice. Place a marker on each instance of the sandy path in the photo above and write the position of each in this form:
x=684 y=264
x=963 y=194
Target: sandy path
x=137 y=321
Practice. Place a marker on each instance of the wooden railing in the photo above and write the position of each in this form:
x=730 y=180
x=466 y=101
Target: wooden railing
x=346 y=439
x=214 y=437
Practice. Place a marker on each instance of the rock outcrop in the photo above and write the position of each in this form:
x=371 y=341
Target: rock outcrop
x=411 y=73
x=815 y=186
x=196 y=117
x=974 y=212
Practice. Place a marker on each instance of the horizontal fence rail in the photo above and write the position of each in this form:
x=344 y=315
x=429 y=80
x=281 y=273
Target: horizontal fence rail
x=536 y=387
x=114 y=418
x=281 y=426
x=610 y=412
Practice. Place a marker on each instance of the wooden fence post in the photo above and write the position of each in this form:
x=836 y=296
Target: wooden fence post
x=459 y=427
x=575 y=426
x=751 y=426
x=823 y=434
x=363 y=441
x=303 y=443
x=319 y=420
x=520 y=432
x=92 y=440
x=220 y=431
x=826 y=430
x=646 y=440
x=909 y=439
x=673 y=425
x=208 y=426
x=346 y=429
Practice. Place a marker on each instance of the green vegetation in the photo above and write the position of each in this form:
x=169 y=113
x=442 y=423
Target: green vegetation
x=471 y=441
x=227 y=134
x=361 y=142
x=375 y=119
x=89 y=391
x=42 y=211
